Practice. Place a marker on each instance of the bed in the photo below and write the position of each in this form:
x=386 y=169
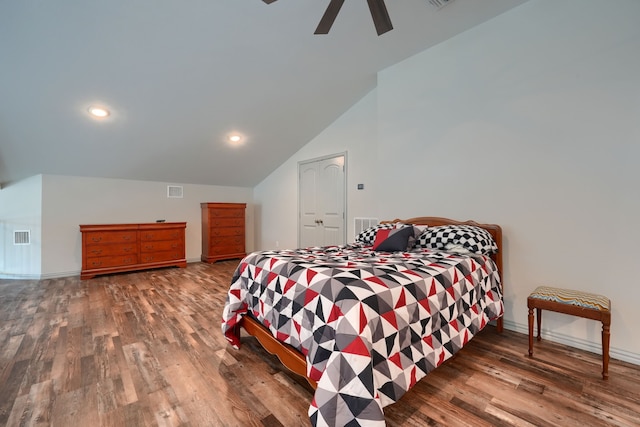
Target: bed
x=364 y=322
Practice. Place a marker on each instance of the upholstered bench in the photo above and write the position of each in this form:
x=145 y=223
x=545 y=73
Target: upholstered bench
x=575 y=303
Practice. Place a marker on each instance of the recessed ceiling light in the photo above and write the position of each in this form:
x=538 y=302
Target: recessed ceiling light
x=235 y=138
x=99 y=112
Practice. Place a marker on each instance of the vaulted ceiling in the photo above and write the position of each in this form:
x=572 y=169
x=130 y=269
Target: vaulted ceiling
x=180 y=76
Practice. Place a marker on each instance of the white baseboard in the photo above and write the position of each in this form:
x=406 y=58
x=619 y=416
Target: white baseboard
x=614 y=353
x=19 y=276
x=40 y=276
x=56 y=275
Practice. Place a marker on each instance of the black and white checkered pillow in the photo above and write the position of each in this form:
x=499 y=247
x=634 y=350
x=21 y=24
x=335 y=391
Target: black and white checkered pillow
x=470 y=237
x=369 y=235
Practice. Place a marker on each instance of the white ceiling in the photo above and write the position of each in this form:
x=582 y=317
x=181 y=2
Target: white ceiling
x=180 y=75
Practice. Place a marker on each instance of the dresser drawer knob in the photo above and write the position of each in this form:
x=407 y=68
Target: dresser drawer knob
x=96 y=239
x=96 y=251
x=96 y=263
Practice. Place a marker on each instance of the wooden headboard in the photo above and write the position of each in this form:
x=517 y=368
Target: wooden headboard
x=494 y=229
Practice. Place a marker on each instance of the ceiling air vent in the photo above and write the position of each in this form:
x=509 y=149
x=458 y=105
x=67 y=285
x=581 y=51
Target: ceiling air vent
x=439 y=3
x=22 y=237
x=174 y=191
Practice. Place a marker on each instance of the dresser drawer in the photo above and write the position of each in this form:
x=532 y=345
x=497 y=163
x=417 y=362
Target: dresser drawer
x=227 y=231
x=110 y=261
x=146 y=258
x=227 y=213
x=227 y=250
x=226 y=222
x=158 y=246
x=97 y=250
x=100 y=237
x=225 y=241
x=157 y=235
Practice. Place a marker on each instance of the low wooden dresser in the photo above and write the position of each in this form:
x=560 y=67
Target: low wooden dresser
x=114 y=248
x=223 y=231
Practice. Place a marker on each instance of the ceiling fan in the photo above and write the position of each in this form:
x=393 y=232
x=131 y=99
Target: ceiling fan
x=376 y=7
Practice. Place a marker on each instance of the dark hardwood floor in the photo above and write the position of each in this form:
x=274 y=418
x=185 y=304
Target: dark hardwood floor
x=145 y=349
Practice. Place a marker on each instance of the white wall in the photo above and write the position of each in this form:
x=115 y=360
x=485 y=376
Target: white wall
x=20 y=209
x=537 y=131
x=69 y=201
x=531 y=121
x=276 y=197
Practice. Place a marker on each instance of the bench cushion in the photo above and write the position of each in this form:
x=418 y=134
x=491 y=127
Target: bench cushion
x=571 y=297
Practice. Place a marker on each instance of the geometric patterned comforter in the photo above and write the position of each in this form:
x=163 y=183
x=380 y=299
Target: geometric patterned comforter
x=370 y=324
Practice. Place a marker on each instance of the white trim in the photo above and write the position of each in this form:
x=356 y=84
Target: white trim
x=614 y=353
x=20 y=276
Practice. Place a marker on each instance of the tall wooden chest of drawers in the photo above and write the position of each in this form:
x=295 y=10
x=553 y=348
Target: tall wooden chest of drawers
x=114 y=248
x=223 y=231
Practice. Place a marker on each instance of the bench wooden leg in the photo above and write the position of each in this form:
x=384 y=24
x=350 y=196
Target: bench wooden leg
x=530 y=332
x=606 y=336
x=539 y=319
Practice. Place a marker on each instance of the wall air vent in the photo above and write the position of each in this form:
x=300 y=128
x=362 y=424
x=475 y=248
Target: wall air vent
x=22 y=237
x=439 y=3
x=361 y=224
x=174 y=191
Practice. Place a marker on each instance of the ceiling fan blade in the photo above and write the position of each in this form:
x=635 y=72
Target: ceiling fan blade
x=380 y=16
x=329 y=16
x=268 y=1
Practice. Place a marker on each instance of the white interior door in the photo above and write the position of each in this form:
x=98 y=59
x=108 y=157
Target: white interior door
x=322 y=202
x=308 y=210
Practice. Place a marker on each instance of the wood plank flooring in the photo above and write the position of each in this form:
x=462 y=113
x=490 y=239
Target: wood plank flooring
x=145 y=349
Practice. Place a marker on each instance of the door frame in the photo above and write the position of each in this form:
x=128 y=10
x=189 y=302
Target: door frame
x=318 y=159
